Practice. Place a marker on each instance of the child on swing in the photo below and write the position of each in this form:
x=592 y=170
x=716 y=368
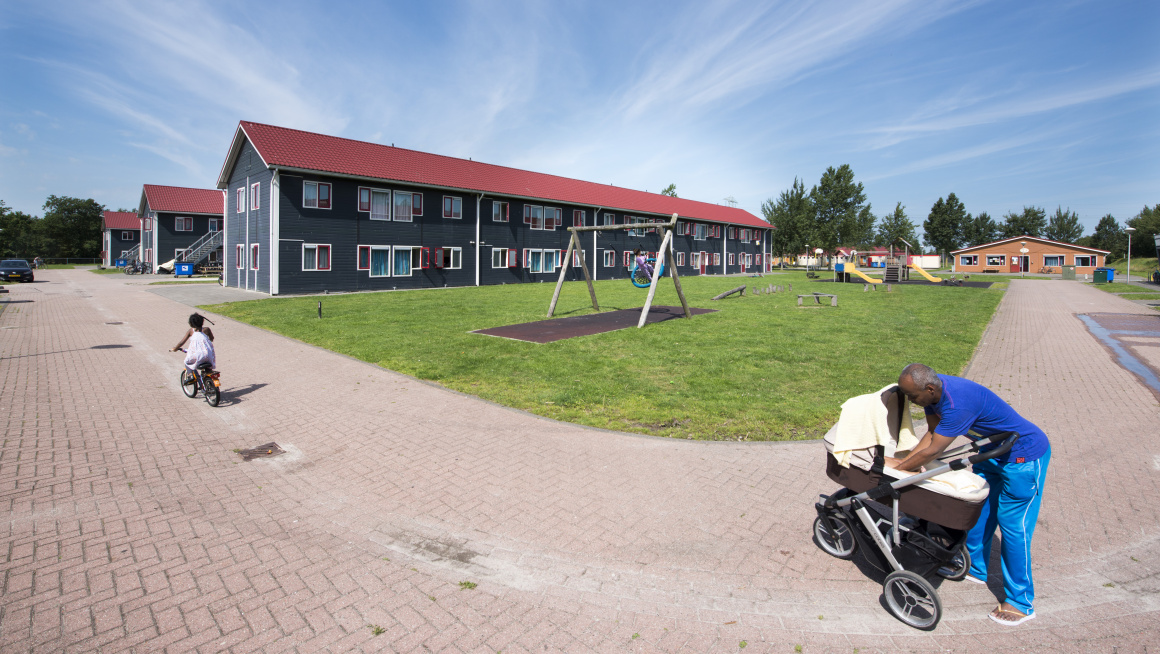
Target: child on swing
x=642 y=262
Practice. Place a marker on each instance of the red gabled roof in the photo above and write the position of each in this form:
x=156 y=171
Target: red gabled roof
x=280 y=147
x=120 y=220
x=178 y=199
x=1030 y=238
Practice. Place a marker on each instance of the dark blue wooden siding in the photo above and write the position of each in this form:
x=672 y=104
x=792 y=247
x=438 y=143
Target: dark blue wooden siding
x=118 y=244
x=248 y=227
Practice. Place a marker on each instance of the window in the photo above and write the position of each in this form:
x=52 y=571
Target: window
x=126 y=236
x=148 y=258
x=533 y=260
x=255 y=193
x=241 y=199
x=215 y=225
x=534 y=216
x=695 y=258
x=730 y=258
x=254 y=257
x=553 y=218
x=148 y=226
x=239 y=256
x=578 y=216
x=701 y=233
x=996 y=259
x=609 y=258
x=627 y=259
x=1085 y=260
x=609 y=219
x=404 y=207
x=968 y=259
x=500 y=212
x=416 y=204
x=364 y=199
x=449 y=258
x=380 y=204
x=745 y=235
x=717 y=258
x=364 y=257
x=452 y=207
x=578 y=256
x=408 y=258
x=315 y=257
x=183 y=224
x=731 y=232
x=179 y=253
x=680 y=258
x=1053 y=260
x=380 y=261
x=503 y=257
x=316 y=195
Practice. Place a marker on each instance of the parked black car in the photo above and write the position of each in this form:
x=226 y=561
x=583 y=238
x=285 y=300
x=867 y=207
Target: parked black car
x=15 y=270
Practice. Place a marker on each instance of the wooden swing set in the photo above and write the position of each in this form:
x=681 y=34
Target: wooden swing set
x=665 y=254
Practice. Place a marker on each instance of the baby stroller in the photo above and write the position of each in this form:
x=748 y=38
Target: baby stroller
x=909 y=526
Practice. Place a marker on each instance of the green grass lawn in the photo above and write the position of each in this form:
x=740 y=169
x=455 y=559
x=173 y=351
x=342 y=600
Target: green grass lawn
x=1116 y=288
x=108 y=271
x=759 y=369
x=1140 y=267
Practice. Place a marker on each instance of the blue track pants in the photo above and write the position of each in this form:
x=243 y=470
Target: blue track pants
x=1013 y=506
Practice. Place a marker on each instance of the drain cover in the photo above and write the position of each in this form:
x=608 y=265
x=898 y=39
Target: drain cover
x=261 y=451
x=114 y=323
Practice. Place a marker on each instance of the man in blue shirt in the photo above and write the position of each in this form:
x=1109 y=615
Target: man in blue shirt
x=953 y=407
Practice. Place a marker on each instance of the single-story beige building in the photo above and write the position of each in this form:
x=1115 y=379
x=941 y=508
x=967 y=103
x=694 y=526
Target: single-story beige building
x=1042 y=256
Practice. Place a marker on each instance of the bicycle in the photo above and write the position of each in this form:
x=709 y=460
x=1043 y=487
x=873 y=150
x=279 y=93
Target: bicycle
x=1047 y=270
x=205 y=379
x=638 y=276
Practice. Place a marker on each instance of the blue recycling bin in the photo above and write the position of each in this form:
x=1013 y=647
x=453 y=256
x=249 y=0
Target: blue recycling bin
x=183 y=269
x=121 y=263
x=1110 y=273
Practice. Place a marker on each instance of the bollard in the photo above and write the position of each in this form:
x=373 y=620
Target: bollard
x=889 y=288
x=865 y=287
x=799 y=301
x=834 y=301
x=320 y=308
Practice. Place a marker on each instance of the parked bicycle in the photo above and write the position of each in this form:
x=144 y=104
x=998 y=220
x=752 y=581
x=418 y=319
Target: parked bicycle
x=136 y=268
x=205 y=379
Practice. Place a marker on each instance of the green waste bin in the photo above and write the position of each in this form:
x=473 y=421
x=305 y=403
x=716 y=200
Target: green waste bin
x=1100 y=276
x=1069 y=272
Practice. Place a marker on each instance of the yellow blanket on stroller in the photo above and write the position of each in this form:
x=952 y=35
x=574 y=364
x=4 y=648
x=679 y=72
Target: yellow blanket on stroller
x=863 y=424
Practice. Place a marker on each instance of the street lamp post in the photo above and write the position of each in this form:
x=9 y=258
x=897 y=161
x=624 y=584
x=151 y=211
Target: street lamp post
x=1022 y=267
x=1128 y=277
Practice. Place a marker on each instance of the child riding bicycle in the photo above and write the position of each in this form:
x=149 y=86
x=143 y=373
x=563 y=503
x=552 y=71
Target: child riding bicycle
x=200 y=343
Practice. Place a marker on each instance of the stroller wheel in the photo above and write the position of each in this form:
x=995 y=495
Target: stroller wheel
x=958 y=566
x=912 y=599
x=844 y=546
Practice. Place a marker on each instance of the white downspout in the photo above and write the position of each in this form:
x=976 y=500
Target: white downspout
x=246 y=250
x=275 y=232
x=478 y=199
x=725 y=251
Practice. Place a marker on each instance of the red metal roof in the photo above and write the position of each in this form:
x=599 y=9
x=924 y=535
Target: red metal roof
x=178 y=199
x=289 y=148
x=120 y=220
x=1031 y=238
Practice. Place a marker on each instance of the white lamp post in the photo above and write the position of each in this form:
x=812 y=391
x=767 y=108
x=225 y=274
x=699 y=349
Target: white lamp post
x=1128 y=277
x=1024 y=250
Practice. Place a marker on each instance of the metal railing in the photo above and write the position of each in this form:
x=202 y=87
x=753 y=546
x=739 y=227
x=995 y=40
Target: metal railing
x=201 y=248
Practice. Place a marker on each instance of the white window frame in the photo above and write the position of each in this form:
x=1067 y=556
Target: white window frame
x=371 y=257
x=240 y=199
x=609 y=258
x=1091 y=257
x=502 y=210
x=578 y=217
x=609 y=219
x=315 y=247
x=410 y=216
x=455 y=258
x=255 y=251
x=731 y=259
x=126 y=236
x=1056 y=260
x=317 y=195
x=240 y=256
x=370 y=210
x=968 y=259
x=255 y=196
x=700 y=232
x=147 y=257
x=177 y=252
x=180 y=222
x=680 y=258
x=628 y=259
x=215 y=224
x=717 y=259
x=456 y=211
x=695 y=259
x=530 y=217
x=557 y=218
x=504 y=257
x=148 y=226
x=1002 y=260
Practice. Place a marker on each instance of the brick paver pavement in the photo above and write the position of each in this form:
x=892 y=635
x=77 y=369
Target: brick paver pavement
x=130 y=525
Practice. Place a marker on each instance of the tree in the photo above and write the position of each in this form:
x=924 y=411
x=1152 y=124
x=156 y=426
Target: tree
x=21 y=235
x=1109 y=236
x=1032 y=222
x=1063 y=226
x=980 y=229
x=943 y=228
x=839 y=208
x=1147 y=224
x=73 y=226
x=792 y=218
x=670 y=190
x=895 y=226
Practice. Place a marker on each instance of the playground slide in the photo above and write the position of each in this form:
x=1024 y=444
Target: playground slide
x=858 y=273
x=929 y=277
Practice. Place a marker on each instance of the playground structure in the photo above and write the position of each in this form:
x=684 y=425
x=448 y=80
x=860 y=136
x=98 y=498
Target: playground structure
x=929 y=277
x=844 y=271
x=664 y=255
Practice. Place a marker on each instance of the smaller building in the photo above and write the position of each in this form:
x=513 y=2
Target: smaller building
x=174 y=219
x=1042 y=255
x=122 y=233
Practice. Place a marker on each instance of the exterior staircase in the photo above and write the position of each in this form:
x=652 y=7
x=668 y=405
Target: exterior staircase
x=202 y=248
x=893 y=274
x=134 y=254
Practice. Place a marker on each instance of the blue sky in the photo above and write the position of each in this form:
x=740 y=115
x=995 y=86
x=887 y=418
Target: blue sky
x=1005 y=104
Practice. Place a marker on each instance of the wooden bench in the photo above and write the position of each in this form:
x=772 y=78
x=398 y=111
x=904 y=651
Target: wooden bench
x=818 y=298
x=990 y=270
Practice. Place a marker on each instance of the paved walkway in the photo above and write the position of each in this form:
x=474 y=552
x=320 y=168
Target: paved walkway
x=130 y=525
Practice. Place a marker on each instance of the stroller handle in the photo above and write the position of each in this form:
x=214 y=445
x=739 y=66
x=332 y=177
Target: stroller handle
x=1008 y=438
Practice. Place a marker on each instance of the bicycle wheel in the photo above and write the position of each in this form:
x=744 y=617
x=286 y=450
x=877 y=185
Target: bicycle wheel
x=213 y=394
x=188 y=383
x=912 y=599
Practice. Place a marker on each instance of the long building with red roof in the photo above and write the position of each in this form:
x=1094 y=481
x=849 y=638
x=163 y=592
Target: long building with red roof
x=308 y=213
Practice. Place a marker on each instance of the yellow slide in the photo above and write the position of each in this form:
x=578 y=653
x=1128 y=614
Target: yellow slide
x=929 y=277
x=858 y=273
